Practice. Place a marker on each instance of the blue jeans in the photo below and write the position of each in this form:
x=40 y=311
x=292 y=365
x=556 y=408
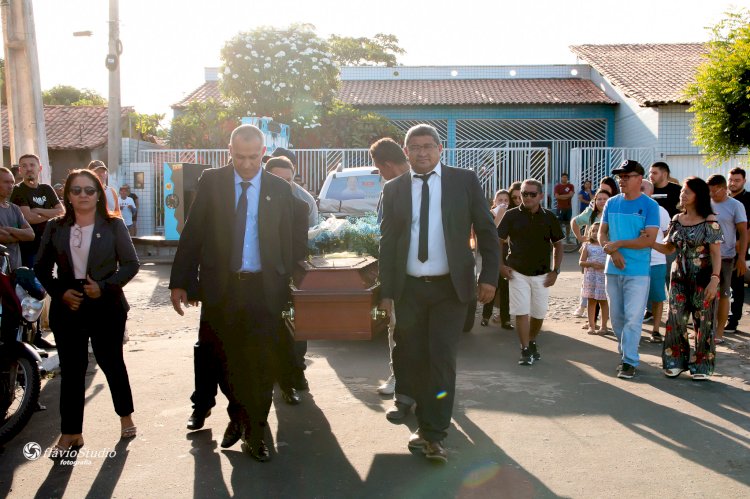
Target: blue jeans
x=627 y=297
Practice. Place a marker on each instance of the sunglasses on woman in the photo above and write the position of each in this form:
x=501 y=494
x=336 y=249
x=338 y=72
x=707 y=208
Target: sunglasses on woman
x=76 y=190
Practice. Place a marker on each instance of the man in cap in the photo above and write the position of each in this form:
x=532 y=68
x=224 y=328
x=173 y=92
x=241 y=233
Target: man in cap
x=627 y=216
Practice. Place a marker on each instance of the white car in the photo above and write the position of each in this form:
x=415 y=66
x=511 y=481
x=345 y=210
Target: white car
x=351 y=192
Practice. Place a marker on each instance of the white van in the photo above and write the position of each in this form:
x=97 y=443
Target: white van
x=351 y=192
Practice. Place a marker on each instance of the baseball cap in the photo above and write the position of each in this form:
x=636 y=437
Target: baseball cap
x=629 y=166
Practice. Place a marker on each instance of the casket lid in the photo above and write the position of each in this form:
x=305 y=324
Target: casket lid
x=346 y=260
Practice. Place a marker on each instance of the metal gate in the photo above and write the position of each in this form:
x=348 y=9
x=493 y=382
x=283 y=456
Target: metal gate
x=496 y=168
x=595 y=163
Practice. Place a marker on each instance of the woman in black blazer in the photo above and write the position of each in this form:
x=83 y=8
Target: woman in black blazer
x=95 y=258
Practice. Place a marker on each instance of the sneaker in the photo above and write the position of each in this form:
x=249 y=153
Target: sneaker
x=648 y=316
x=388 y=387
x=398 y=412
x=731 y=327
x=579 y=312
x=416 y=441
x=526 y=358
x=534 y=350
x=627 y=371
x=656 y=338
x=434 y=451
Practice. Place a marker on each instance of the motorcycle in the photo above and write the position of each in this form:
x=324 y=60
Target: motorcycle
x=21 y=302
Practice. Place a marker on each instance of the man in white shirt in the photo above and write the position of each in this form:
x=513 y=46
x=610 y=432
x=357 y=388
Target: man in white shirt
x=127 y=208
x=657 y=293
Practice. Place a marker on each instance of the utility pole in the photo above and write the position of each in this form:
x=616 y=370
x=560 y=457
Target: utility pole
x=23 y=85
x=114 y=137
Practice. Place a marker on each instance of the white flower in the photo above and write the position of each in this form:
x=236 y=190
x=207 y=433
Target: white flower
x=266 y=82
x=256 y=70
x=267 y=65
x=254 y=53
x=282 y=85
x=307 y=88
x=247 y=45
x=280 y=53
x=227 y=70
x=235 y=76
x=315 y=66
x=238 y=55
x=325 y=60
x=314 y=59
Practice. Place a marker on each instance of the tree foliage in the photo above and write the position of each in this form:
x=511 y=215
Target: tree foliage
x=203 y=125
x=380 y=50
x=344 y=126
x=66 y=95
x=145 y=126
x=286 y=73
x=720 y=95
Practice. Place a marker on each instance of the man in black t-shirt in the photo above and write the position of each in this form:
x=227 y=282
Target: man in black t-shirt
x=737 y=190
x=532 y=233
x=666 y=193
x=38 y=203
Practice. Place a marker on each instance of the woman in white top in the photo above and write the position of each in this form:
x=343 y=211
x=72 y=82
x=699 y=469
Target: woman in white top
x=95 y=258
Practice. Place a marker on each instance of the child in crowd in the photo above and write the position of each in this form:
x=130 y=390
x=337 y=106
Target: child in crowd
x=592 y=261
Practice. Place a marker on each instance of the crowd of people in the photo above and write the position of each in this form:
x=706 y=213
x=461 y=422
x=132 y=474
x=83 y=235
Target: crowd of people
x=642 y=241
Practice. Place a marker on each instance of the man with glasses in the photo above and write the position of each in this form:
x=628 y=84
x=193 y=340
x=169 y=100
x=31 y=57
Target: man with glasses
x=533 y=235
x=731 y=215
x=627 y=216
x=427 y=272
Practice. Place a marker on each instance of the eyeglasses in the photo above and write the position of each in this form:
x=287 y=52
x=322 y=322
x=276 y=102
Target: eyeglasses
x=527 y=194
x=76 y=236
x=76 y=190
x=425 y=148
x=626 y=176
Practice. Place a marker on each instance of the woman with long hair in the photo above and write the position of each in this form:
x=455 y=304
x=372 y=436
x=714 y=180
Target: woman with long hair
x=95 y=258
x=695 y=235
x=500 y=205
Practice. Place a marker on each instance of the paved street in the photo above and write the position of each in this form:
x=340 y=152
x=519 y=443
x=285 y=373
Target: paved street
x=565 y=426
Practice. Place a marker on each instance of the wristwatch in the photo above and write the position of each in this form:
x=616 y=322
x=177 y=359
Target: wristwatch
x=556 y=271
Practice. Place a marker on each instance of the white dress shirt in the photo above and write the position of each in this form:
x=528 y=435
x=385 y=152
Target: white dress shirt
x=437 y=258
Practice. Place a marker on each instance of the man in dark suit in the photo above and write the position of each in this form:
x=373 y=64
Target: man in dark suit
x=427 y=271
x=238 y=241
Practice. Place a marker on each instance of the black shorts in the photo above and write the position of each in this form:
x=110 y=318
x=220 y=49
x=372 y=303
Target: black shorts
x=565 y=214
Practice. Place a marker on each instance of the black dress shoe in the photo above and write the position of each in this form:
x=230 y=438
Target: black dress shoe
x=290 y=396
x=507 y=325
x=231 y=435
x=300 y=382
x=197 y=419
x=258 y=451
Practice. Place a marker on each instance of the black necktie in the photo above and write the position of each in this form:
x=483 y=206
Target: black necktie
x=240 y=221
x=424 y=217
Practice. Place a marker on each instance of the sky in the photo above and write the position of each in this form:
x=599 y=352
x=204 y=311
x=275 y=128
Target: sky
x=167 y=43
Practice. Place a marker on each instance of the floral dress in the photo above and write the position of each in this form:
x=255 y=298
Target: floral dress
x=691 y=273
x=593 y=279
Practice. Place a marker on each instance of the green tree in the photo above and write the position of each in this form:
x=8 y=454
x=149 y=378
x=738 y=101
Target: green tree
x=145 y=126
x=344 y=126
x=203 y=125
x=285 y=73
x=66 y=95
x=720 y=95
x=380 y=50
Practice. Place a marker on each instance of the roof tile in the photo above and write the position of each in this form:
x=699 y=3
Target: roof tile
x=71 y=127
x=651 y=74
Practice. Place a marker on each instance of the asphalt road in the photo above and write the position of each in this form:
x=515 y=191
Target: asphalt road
x=565 y=426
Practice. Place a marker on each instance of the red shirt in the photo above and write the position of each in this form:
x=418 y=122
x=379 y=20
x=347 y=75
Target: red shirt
x=564 y=204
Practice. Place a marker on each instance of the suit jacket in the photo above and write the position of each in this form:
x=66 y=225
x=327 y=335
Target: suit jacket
x=112 y=263
x=202 y=262
x=463 y=206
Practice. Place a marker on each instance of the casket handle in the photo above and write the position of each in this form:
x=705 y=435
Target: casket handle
x=288 y=314
x=378 y=314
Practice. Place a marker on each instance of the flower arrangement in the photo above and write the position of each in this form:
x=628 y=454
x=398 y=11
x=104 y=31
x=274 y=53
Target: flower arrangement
x=359 y=235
